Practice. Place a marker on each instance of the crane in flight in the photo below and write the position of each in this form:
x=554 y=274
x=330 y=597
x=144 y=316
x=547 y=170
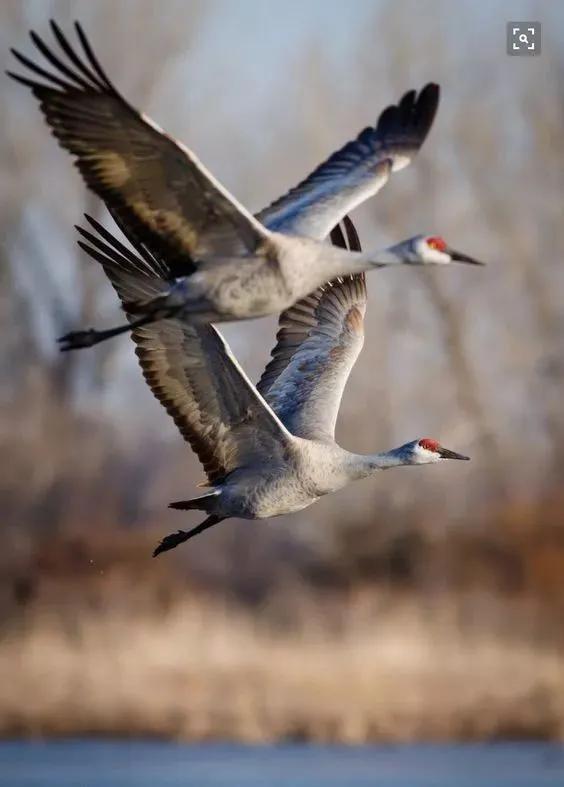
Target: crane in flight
x=266 y=450
x=223 y=262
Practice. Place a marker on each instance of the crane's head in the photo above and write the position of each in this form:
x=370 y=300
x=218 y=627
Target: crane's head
x=432 y=249
x=427 y=451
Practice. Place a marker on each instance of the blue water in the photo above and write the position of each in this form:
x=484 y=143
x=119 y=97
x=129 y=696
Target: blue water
x=77 y=763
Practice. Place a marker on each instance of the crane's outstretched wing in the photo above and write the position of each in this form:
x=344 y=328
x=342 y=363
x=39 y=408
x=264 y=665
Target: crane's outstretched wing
x=160 y=190
x=357 y=171
x=192 y=371
x=318 y=342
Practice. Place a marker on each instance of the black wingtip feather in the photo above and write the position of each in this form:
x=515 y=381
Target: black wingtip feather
x=92 y=59
x=152 y=265
x=22 y=80
x=413 y=115
x=35 y=69
x=88 y=76
x=58 y=64
x=407 y=101
x=352 y=235
x=345 y=236
x=427 y=104
x=114 y=254
x=73 y=57
x=338 y=237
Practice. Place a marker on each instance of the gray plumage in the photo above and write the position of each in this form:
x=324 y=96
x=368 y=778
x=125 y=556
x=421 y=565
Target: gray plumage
x=269 y=451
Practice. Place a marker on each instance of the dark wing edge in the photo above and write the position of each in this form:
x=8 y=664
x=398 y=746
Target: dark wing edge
x=358 y=169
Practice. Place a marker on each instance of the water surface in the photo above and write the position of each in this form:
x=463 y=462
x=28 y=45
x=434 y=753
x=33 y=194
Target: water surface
x=79 y=763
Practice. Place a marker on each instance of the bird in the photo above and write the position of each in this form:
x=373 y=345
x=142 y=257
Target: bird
x=269 y=449
x=224 y=263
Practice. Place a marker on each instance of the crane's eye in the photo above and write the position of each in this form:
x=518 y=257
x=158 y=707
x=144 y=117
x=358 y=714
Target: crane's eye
x=436 y=243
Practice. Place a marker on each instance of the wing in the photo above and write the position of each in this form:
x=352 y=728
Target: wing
x=357 y=171
x=160 y=191
x=192 y=371
x=318 y=342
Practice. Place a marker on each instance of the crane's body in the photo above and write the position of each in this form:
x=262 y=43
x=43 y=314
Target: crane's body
x=311 y=470
x=284 y=270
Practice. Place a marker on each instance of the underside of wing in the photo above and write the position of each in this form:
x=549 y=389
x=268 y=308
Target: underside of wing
x=357 y=171
x=195 y=377
x=317 y=344
x=191 y=371
x=159 y=190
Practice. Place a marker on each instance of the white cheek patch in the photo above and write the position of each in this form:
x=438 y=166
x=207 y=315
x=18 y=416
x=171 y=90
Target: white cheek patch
x=425 y=457
x=434 y=255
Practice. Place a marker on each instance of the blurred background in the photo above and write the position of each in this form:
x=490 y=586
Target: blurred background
x=424 y=604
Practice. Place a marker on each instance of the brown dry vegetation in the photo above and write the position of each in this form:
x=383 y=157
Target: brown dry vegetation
x=100 y=639
x=398 y=671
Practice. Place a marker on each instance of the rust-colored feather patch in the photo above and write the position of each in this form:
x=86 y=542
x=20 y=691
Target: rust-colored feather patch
x=355 y=320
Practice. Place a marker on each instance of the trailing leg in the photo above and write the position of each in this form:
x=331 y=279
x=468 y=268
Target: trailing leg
x=77 y=340
x=174 y=539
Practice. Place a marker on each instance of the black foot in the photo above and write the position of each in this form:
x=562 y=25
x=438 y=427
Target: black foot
x=76 y=340
x=169 y=542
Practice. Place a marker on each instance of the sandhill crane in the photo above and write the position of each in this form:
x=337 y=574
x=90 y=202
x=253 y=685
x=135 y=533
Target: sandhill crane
x=267 y=450
x=233 y=265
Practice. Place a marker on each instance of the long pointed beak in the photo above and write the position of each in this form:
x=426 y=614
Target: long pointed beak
x=444 y=453
x=457 y=256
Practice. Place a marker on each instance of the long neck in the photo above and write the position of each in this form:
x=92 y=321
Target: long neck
x=340 y=262
x=364 y=465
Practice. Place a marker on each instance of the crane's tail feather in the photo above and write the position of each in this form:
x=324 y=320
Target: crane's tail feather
x=200 y=503
x=184 y=505
x=174 y=539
